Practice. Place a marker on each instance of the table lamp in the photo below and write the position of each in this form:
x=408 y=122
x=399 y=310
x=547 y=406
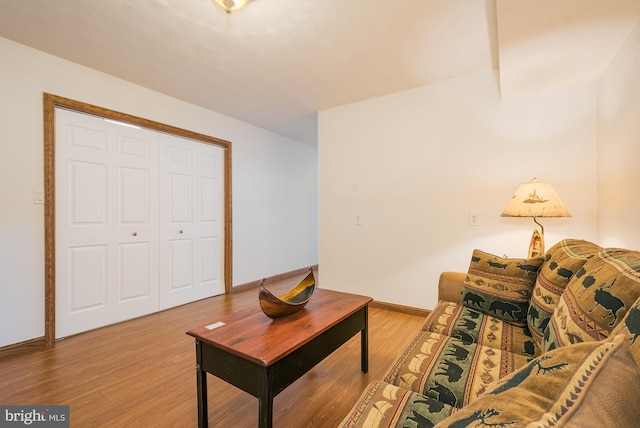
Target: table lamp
x=535 y=199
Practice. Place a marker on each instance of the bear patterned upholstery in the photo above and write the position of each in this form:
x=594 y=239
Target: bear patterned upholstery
x=630 y=328
x=469 y=325
x=596 y=299
x=569 y=358
x=593 y=384
x=385 y=405
x=500 y=287
x=562 y=262
x=449 y=369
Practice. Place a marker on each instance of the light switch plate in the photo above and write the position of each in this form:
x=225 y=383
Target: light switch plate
x=38 y=196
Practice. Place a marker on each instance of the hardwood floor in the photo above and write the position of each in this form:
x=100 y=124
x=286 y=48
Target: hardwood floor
x=141 y=373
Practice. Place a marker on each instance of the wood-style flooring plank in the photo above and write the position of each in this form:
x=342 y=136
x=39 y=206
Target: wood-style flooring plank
x=141 y=373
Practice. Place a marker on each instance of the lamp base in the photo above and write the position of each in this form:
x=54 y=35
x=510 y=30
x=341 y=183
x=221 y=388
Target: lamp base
x=536 y=246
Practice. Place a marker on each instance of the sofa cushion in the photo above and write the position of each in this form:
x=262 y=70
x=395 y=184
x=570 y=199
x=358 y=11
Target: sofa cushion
x=562 y=262
x=385 y=405
x=450 y=369
x=630 y=327
x=593 y=384
x=500 y=287
x=455 y=320
x=596 y=299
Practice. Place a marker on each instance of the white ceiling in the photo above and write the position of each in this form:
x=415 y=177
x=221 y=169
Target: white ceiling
x=277 y=63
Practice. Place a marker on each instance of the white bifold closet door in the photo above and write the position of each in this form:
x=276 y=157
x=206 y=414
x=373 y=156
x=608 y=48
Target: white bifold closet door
x=191 y=224
x=133 y=234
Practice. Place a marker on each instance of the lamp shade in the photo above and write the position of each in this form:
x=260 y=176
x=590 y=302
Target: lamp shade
x=535 y=199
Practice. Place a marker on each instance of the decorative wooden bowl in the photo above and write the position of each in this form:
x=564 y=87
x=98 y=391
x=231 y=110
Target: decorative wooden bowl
x=291 y=301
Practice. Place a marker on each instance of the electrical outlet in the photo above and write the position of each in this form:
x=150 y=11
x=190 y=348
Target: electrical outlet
x=474 y=220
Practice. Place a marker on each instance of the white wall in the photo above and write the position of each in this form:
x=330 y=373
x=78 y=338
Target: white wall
x=274 y=179
x=413 y=164
x=619 y=148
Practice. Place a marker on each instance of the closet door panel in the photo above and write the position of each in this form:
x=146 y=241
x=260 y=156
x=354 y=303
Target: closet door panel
x=106 y=223
x=180 y=263
x=87 y=279
x=190 y=211
x=135 y=256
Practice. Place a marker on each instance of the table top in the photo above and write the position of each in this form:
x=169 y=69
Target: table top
x=252 y=335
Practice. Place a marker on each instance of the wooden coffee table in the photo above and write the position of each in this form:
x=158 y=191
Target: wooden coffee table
x=263 y=356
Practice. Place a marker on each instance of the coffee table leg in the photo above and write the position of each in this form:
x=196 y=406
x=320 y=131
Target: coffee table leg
x=265 y=411
x=201 y=387
x=364 y=342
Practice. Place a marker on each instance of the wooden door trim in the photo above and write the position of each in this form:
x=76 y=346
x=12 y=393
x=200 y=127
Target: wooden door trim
x=50 y=103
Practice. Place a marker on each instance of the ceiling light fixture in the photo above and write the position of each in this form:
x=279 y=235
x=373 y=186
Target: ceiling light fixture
x=231 y=5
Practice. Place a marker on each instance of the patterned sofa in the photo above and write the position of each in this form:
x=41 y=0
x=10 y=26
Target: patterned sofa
x=521 y=342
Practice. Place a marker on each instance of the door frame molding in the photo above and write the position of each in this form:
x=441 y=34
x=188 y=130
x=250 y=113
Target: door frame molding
x=50 y=103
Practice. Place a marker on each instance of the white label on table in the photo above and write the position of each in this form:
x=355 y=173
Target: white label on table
x=214 y=325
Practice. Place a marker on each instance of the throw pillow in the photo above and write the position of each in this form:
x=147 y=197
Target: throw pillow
x=562 y=261
x=596 y=299
x=594 y=384
x=630 y=327
x=500 y=287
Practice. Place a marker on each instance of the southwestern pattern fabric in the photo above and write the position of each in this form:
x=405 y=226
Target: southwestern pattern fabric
x=449 y=369
x=562 y=261
x=385 y=405
x=481 y=370
x=500 y=287
x=586 y=385
x=630 y=328
x=455 y=320
x=596 y=299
